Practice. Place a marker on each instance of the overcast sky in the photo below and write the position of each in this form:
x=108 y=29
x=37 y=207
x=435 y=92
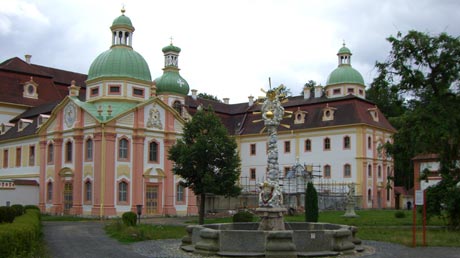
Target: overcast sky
x=229 y=47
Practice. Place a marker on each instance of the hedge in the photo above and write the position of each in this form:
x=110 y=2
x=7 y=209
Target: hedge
x=20 y=238
x=129 y=218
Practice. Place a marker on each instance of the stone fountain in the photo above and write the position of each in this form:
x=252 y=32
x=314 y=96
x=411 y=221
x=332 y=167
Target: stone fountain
x=272 y=237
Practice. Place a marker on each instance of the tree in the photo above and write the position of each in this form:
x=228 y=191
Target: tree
x=206 y=158
x=209 y=97
x=311 y=85
x=424 y=70
x=311 y=203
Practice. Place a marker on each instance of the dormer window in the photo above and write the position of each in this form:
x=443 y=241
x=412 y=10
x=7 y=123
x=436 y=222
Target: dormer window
x=23 y=123
x=42 y=119
x=299 y=116
x=328 y=113
x=374 y=114
x=30 y=89
x=4 y=127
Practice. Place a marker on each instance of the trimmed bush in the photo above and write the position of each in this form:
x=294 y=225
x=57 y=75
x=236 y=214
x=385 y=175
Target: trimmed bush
x=129 y=218
x=7 y=214
x=243 y=216
x=311 y=203
x=400 y=214
x=22 y=237
x=18 y=209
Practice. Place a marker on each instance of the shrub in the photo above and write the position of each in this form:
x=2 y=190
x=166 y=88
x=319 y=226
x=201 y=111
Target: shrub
x=7 y=214
x=400 y=214
x=311 y=203
x=18 y=209
x=243 y=216
x=129 y=218
x=22 y=237
x=32 y=207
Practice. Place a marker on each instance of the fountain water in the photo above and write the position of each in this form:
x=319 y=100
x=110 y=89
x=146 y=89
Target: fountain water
x=269 y=238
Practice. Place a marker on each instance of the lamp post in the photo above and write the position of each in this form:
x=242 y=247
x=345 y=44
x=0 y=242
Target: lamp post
x=139 y=212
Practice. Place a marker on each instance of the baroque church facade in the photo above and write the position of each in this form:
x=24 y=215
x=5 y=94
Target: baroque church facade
x=98 y=145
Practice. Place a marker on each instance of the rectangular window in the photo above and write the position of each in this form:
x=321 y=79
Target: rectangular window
x=89 y=150
x=49 y=193
x=287 y=147
x=153 y=152
x=327 y=171
x=138 y=92
x=351 y=90
x=114 y=89
x=68 y=152
x=308 y=145
x=252 y=174
x=31 y=155
x=252 y=149
x=327 y=144
x=123 y=149
x=88 y=192
x=123 y=192
x=180 y=193
x=286 y=171
x=18 y=157
x=336 y=91
x=346 y=142
x=94 y=91
x=347 y=170
x=5 y=158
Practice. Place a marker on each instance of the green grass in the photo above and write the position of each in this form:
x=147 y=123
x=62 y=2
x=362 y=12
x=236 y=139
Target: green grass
x=378 y=225
x=142 y=232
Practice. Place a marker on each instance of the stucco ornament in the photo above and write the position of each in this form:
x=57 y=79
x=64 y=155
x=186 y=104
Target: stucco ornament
x=154 y=120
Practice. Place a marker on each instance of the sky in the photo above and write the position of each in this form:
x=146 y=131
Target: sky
x=229 y=47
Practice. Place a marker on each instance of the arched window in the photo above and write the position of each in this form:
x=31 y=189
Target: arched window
x=346 y=142
x=153 y=151
x=178 y=107
x=122 y=191
x=347 y=170
x=49 y=192
x=369 y=170
x=180 y=192
x=379 y=171
x=50 y=153
x=89 y=150
x=369 y=142
x=327 y=171
x=369 y=195
x=327 y=144
x=307 y=145
x=68 y=151
x=123 y=149
x=88 y=191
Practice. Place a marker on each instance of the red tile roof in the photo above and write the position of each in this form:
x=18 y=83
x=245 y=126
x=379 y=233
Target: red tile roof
x=52 y=83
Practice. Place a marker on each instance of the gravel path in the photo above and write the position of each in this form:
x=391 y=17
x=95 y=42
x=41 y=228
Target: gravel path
x=88 y=240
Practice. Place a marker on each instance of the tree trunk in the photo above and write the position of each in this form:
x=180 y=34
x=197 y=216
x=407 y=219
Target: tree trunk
x=202 y=209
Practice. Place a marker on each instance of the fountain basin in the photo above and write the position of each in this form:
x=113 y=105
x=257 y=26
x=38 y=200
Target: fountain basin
x=300 y=239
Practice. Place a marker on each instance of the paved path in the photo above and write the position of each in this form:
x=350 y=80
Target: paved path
x=88 y=240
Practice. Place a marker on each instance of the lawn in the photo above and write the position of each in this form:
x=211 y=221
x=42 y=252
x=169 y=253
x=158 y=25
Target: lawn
x=378 y=225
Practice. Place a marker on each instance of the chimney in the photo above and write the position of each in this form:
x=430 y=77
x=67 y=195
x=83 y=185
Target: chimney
x=74 y=90
x=194 y=94
x=251 y=100
x=306 y=92
x=318 y=91
x=226 y=100
x=28 y=57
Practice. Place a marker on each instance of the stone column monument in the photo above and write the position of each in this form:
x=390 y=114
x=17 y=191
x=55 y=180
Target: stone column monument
x=270 y=196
